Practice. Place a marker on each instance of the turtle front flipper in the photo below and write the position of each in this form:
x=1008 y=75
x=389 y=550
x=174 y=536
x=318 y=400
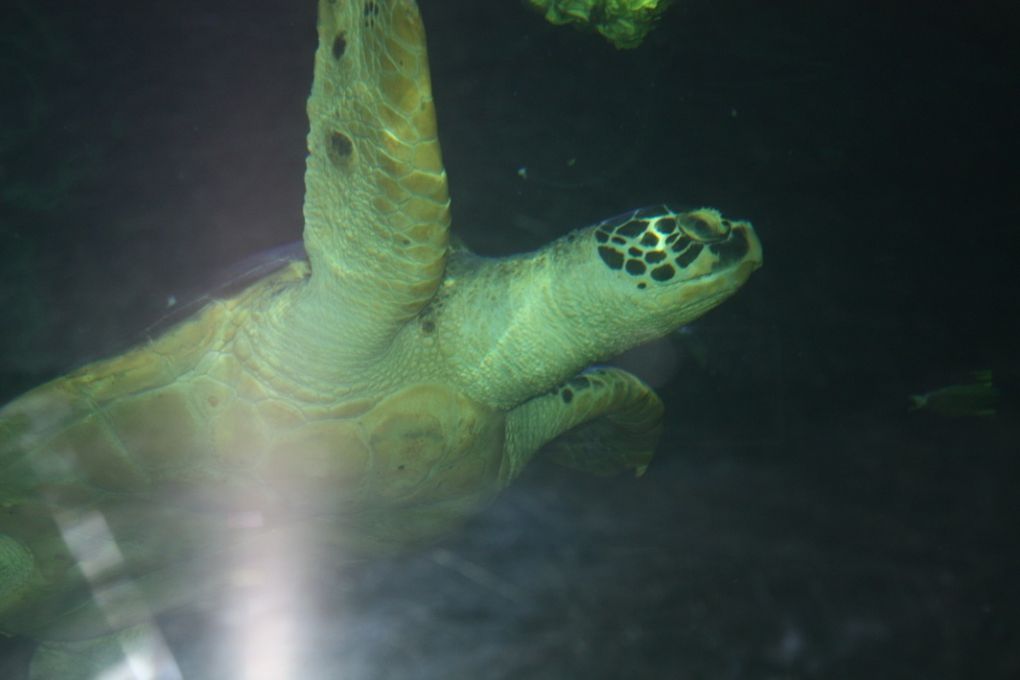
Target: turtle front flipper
x=603 y=421
x=376 y=202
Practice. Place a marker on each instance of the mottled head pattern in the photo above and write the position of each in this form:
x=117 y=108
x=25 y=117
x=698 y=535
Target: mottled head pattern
x=656 y=245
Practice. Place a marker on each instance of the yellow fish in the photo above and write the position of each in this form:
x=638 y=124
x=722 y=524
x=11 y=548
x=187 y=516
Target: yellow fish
x=978 y=398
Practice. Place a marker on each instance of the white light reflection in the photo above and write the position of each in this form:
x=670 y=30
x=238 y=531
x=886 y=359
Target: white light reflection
x=146 y=654
x=266 y=605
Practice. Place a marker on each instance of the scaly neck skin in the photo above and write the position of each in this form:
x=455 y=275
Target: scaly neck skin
x=308 y=342
x=510 y=329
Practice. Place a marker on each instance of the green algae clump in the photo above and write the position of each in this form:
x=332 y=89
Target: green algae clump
x=624 y=23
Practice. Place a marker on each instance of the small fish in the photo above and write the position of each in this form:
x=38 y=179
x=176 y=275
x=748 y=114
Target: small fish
x=979 y=398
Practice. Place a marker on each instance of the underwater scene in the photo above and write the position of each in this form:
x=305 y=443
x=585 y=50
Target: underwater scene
x=552 y=339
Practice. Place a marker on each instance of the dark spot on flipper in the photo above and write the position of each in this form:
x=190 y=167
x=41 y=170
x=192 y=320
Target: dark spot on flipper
x=579 y=383
x=619 y=240
x=567 y=394
x=612 y=257
x=642 y=285
x=634 y=252
x=340 y=148
x=654 y=256
x=339 y=45
x=601 y=236
x=401 y=466
x=341 y=144
x=428 y=326
x=663 y=273
x=635 y=267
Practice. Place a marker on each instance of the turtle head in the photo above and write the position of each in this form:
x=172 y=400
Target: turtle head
x=656 y=268
x=516 y=327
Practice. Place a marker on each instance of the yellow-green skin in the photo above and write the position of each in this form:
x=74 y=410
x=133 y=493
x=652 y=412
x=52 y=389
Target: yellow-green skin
x=363 y=401
x=171 y=441
x=624 y=23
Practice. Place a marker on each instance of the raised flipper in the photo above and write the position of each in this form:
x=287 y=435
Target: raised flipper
x=376 y=203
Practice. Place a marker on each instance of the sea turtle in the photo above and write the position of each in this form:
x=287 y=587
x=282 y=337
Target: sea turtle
x=363 y=400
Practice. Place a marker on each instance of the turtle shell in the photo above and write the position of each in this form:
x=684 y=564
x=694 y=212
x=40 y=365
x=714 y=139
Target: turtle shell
x=154 y=470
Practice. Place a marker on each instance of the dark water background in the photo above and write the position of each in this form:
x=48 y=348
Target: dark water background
x=798 y=522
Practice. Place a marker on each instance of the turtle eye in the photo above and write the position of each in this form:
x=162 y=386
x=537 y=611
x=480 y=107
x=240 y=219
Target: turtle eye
x=704 y=227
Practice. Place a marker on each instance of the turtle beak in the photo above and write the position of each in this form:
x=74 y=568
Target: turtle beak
x=726 y=251
x=742 y=244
